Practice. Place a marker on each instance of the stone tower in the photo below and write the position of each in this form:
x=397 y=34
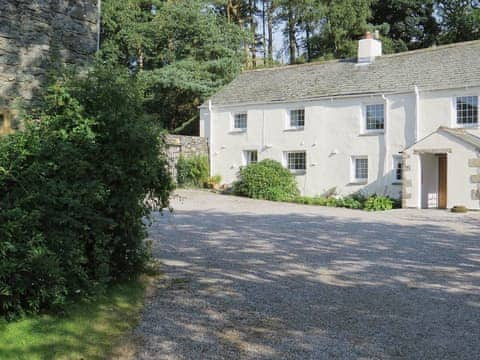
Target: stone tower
x=36 y=36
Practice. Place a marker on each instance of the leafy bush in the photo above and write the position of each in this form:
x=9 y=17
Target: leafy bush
x=74 y=186
x=213 y=182
x=267 y=180
x=378 y=203
x=355 y=201
x=192 y=171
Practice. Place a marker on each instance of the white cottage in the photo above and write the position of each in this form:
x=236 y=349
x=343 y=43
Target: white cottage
x=403 y=125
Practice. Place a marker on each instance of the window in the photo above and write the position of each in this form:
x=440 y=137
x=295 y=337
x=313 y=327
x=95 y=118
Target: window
x=240 y=121
x=297 y=119
x=250 y=157
x=296 y=160
x=467 y=110
x=375 y=117
x=397 y=169
x=360 y=169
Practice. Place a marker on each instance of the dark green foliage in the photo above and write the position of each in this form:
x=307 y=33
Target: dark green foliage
x=356 y=201
x=412 y=23
x=459 y=20
x=73 y=195
x=378 y=203
x=193 y=171
x=184 y=53
x=267 y=180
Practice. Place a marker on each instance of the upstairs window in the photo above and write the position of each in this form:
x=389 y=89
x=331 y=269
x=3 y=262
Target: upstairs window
x=360 y=169
x=250 y=157
x=240 y=121
x=467 y=110
x=296 y=160
x=297 y=119
x=375 y=117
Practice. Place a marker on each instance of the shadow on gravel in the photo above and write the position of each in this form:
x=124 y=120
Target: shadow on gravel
x=316 y=287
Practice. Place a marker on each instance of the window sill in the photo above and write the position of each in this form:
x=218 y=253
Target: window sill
x=466 y=126
x=238 y=131
x=372 y=133
x=358 y=182
x=397 y=183
x=300 y=128
x=298 y=172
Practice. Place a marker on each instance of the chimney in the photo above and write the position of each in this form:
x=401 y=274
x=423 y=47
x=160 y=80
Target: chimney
x=369 y=48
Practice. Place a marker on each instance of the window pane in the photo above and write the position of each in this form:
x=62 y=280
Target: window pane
x=361 y=169
x=375 y=117
x=251 y=157
x=297 y=118
x=398 y=167
x=296 y=160
x=467 y=110
x=240 y=121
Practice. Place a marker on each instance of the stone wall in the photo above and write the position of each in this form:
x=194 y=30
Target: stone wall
x=186 y=146
x=36 y=36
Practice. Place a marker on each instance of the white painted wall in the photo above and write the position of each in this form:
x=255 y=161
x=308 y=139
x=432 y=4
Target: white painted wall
x=332 y=135
x=459 y=186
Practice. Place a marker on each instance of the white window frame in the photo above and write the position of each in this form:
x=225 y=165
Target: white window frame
x=363 y=127
x=353 y=170
x=245 y=154
x=237 y=129
x=397 y=159
x=289 y=125
x=455 y=123
x=285 y=161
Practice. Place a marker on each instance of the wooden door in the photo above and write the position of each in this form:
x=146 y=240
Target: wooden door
x=442 y=181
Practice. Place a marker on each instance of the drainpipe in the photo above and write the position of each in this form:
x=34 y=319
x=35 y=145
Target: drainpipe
x=99 y=23
x=417 y=113
x=210 y=136
x=386 y=125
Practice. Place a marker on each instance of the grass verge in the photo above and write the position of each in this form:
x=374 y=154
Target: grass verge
x=89 y=330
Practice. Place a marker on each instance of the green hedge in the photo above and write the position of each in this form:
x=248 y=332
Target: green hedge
x=193 y=171
x=370 y=203
x=267 y=180
x=74 y=186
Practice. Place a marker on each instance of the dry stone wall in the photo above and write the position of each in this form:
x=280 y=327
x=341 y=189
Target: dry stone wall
x=36 y=36
x=179 y=145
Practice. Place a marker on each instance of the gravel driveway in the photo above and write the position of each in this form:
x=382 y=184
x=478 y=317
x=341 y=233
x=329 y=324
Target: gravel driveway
x=250 y=279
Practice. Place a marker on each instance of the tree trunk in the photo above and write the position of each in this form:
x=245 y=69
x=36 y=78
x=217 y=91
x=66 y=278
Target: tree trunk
x=264 y=33
x=292 y=41
x=270 y=11
x=253 y=31
x=307 y=39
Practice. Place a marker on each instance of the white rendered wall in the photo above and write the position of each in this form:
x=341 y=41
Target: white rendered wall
x=459 y=173
x=332 y=135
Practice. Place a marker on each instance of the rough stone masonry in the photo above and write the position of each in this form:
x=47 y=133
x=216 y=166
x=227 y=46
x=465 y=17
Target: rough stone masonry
x=36 y=36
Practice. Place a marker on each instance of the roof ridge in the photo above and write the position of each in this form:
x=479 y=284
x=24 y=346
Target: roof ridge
x=404 y=53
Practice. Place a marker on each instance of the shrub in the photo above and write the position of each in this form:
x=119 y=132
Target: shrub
x=213 y=182
x=192 y=171
x=267 y=180
x=74 y=185
x=378 y=203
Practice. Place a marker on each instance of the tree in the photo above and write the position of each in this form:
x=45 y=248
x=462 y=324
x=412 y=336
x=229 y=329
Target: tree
x=345 y=21
x=184 y=52
x=412 y=23
x=459 y=20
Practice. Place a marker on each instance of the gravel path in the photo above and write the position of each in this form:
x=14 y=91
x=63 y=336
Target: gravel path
x=250 y=279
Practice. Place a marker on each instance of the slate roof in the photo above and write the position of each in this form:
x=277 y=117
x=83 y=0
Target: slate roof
x=442 y=67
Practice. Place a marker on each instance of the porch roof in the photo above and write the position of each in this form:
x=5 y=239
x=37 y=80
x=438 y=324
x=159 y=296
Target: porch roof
x=463 y=135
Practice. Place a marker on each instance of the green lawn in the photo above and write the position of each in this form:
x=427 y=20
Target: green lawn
x=87 y=331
